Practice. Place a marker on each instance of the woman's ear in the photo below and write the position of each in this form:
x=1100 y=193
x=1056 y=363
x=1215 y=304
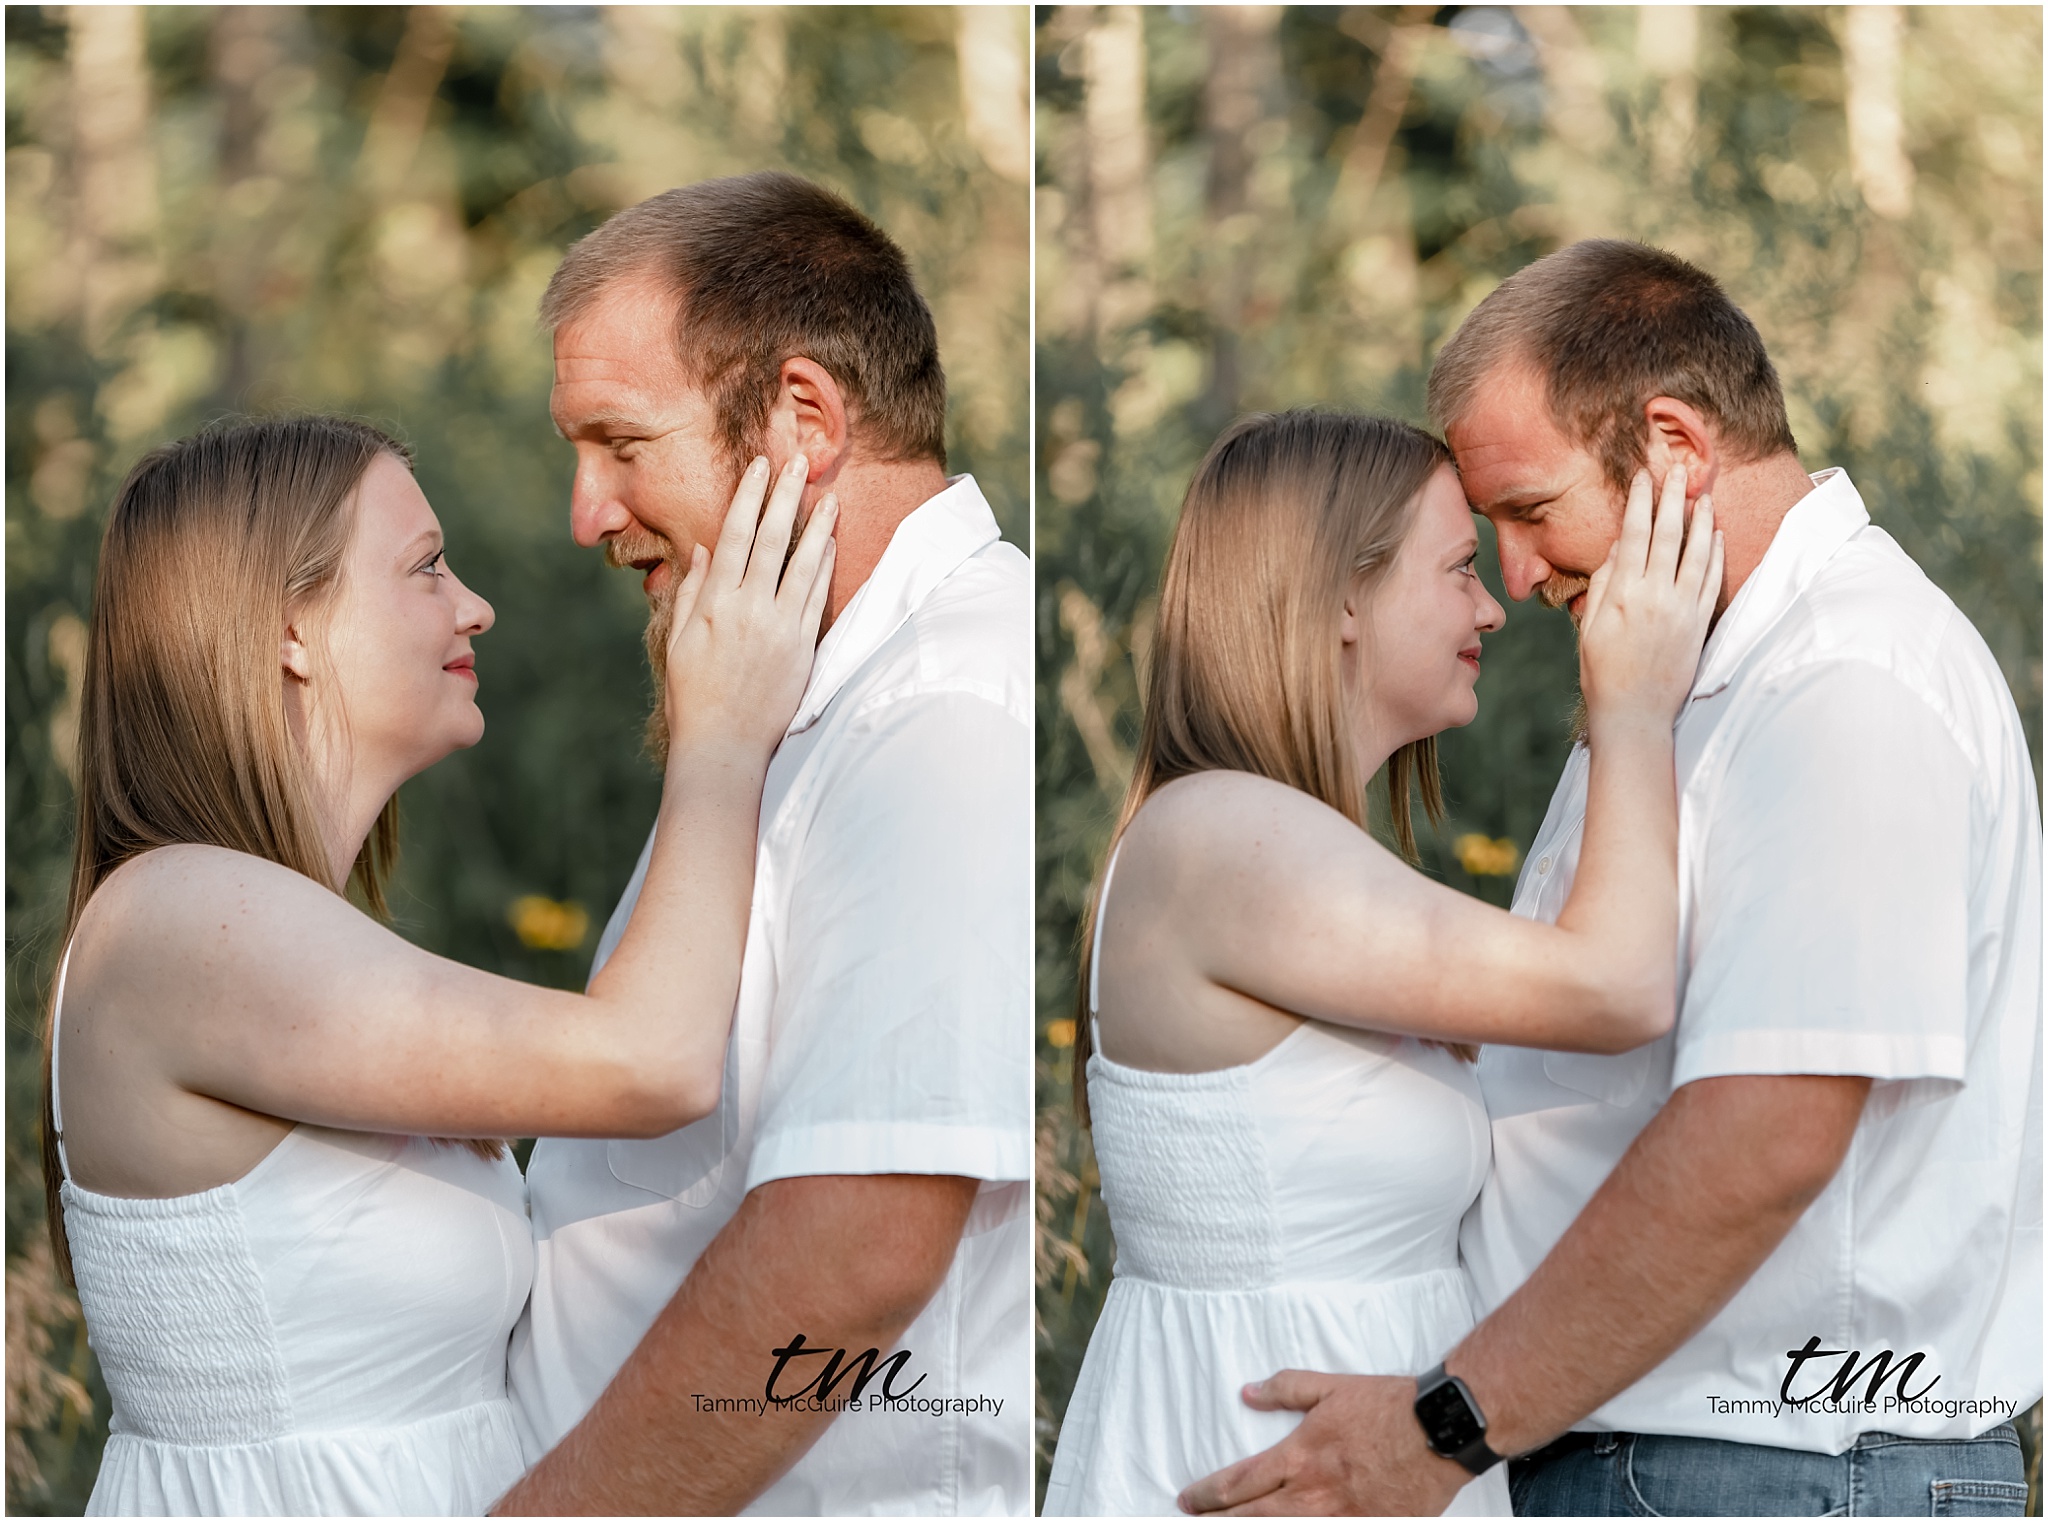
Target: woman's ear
x=1351 y=622
x=292 y=654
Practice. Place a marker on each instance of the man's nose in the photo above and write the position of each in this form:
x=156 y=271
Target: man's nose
x=595 y=510
x=1521 y=568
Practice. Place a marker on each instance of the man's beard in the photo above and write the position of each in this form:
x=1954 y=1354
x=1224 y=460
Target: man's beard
x=621 y=552
x=1557 y=591
x=1559 y=588
x=660 y=616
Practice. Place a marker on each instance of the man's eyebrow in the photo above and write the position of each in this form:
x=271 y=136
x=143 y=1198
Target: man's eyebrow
x=611 y=418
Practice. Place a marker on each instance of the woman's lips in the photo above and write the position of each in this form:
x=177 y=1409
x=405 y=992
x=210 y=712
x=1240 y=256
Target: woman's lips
x=1470 y=658
x=466 y=667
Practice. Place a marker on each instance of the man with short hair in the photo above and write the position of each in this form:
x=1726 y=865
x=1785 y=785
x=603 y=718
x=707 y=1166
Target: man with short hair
x=1787 y=1259
x=817 y=1299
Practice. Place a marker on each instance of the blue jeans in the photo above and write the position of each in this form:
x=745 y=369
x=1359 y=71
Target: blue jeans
x=1623 y=1474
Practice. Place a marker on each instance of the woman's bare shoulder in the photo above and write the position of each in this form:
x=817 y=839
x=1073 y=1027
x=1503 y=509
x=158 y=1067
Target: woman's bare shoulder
x=1227 y=813
x=168 y=877
x=176 y=900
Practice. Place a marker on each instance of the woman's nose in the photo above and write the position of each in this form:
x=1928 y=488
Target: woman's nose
x=1492 y=616
x=473 y=614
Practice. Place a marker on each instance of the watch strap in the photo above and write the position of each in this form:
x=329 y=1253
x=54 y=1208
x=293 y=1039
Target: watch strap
x=1475 y=1457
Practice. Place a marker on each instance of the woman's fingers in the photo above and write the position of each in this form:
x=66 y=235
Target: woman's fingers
x=1596 y=588
x=740 y=650
x=1632 y=549
x=809 y=576
x=1710 y=589
x=686 y=595
x=771 y=539
x=1667 y=534
x=736 y=538
x=819 y=595
x=804 y=566
x=1699 y=546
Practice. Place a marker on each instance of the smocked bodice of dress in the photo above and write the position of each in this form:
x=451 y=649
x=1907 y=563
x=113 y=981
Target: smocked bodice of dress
x=1300 y=1211
x=1340 y=1156
x=326 y=1335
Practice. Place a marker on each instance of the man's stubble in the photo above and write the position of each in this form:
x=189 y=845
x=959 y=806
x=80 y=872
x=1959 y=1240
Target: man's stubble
x=1557 y=591
x=661 y=616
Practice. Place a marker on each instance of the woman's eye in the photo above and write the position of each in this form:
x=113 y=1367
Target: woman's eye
x=433 y=566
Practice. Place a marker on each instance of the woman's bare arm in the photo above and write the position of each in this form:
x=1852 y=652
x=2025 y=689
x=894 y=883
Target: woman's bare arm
x=239 y=980
x=1267 y=892
x=1281 y=899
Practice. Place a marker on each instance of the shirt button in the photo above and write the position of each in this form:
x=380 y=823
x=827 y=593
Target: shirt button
x=1543 y=865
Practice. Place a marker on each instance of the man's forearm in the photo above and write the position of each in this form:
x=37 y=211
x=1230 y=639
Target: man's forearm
x=847 y=1261
x=1707 y=1192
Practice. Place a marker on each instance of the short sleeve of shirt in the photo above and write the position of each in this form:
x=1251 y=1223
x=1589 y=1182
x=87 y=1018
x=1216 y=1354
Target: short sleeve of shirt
x=902 y=1008
x=1830 y=927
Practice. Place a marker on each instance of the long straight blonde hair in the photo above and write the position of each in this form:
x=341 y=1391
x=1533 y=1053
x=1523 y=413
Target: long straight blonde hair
x=212 y=542
x=1286 y=514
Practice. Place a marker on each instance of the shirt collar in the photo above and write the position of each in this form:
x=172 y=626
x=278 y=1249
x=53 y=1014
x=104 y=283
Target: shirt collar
x=1818 y=525
x=927 y=547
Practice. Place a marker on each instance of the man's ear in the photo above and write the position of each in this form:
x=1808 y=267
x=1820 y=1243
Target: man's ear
x=809 y=417
x=1679 y=435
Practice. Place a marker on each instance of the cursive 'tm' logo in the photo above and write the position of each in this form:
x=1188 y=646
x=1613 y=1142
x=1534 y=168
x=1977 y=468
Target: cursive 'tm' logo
x=861 y=1367
x=1878 y=1368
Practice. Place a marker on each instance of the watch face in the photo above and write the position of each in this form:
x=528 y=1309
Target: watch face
x=1449 y=1421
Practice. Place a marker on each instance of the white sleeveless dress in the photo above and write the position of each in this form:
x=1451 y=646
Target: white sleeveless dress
x=325 y=1336
x=1297 y=1212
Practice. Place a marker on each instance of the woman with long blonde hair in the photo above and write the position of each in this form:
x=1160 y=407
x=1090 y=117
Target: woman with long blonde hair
x=1278 y=1010
x=267 y=1119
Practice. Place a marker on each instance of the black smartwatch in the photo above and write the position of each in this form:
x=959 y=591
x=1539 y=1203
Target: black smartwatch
x=1452 y=1422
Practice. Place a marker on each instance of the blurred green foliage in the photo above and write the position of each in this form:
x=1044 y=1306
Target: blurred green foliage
x=355 y=209
x=1242 y=209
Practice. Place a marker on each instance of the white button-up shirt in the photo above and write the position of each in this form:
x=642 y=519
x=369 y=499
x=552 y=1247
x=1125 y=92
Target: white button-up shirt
x=1859 y=893
x=882 y=1027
